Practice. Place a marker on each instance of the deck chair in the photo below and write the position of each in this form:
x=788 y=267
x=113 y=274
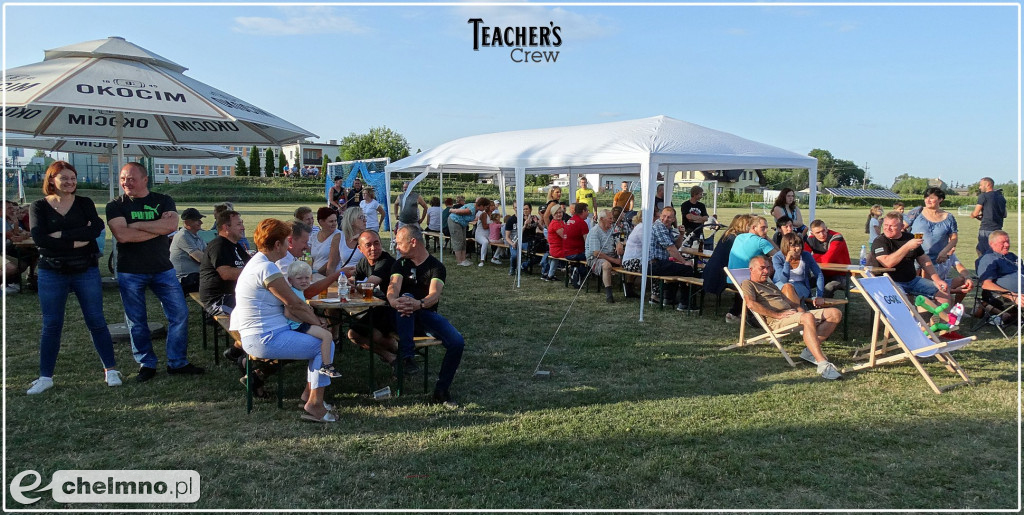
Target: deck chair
x=738 y=275
x=992 y=308
x=903 y=323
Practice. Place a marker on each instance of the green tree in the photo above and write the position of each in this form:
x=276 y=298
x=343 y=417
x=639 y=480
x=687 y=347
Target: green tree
x=240 y=169
x=323 y=166
x=845 y=172
x=909 y=185
x=254 y=162
x=848 y=174
x=379 y=142
x=1010 y=190
x=268 y=163
x=540 y=180
x=281 y=162
x=830 y=181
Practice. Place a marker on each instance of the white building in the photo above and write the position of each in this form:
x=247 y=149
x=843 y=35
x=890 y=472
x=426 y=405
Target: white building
x=312 y=153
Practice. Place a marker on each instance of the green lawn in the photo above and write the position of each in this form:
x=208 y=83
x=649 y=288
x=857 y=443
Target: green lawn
x=635 y=415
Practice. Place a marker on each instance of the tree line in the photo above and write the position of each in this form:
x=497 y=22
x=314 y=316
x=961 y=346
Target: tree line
x=377 y=143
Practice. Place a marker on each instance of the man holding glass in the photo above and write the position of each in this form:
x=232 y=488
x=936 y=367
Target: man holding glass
x=897 y=249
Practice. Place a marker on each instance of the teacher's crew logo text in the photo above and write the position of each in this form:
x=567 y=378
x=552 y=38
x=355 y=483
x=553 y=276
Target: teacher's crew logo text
x=522 y=40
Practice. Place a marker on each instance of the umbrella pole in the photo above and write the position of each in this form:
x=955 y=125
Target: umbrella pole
x=21 y=187
x=120 y=142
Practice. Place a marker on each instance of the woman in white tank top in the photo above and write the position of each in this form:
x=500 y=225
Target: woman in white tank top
x=323 y=246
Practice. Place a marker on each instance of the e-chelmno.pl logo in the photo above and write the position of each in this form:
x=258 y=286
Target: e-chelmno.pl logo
x=109 y=486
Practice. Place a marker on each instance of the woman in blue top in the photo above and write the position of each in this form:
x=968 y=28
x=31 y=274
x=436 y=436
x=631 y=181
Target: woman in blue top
x=794 y=268
x=937 y=225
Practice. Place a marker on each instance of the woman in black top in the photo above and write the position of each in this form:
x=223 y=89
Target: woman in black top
x=64 y=228
x=337 y=193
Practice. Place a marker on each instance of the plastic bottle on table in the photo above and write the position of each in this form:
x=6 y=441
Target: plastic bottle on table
x=863 y=255
x=342 y=285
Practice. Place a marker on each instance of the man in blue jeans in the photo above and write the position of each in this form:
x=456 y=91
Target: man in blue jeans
x=417 y=279
x=140 y=221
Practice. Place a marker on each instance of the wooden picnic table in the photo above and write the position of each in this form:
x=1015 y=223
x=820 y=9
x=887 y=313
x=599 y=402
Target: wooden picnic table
x=851 y=270
x=352 y=303
x=854 y=269
x=693 y=252
x=347 y=310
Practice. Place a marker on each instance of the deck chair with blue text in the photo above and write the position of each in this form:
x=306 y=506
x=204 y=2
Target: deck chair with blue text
x=913 y=337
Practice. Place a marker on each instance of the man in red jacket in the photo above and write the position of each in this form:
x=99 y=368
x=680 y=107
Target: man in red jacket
x=828 y=247
x=574 y=246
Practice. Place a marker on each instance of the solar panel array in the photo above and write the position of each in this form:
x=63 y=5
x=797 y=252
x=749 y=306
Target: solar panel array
x=855 y=193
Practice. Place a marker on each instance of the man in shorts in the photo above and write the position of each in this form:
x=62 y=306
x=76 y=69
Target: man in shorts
x=764 y=298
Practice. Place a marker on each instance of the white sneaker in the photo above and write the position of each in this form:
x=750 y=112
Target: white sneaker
x=481 y=264
x=113 y=378
x=828 y=371
x=496 y=261
x=807 y=356
x=12 y=288
x=40 y=385
x=465 y=263
x=731 y=318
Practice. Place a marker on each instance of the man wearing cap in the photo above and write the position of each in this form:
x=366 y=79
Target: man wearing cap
x=187 y=250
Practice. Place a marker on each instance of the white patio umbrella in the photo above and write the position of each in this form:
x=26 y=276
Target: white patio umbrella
x=110 y=89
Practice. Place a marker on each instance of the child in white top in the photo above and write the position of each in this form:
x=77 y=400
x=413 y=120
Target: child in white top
x=299 y=275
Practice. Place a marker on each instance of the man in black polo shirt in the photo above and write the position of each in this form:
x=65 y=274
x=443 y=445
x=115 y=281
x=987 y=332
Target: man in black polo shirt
x=417 y=280
x=222 y=263
x=140 y=221
x=897 y=249
x=379 y=323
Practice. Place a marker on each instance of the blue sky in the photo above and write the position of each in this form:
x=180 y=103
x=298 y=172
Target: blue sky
x=926 y=90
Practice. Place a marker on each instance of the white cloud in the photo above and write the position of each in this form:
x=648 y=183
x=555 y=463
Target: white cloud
x=298 y=22
x=847 y=27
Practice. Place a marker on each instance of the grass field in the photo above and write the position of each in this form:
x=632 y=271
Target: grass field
x=636 y=415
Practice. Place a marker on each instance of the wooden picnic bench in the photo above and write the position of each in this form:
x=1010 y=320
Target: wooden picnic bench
x=681 y=279
x=206 y=320
x=435 y=238
x=232 y=337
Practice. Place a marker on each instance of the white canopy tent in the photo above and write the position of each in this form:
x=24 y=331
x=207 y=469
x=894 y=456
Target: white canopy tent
x=644 y=146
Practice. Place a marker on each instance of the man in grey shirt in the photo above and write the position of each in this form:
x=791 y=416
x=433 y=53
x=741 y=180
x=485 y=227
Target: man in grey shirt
x=409 y=212
x=187 y=250
x=602 y=253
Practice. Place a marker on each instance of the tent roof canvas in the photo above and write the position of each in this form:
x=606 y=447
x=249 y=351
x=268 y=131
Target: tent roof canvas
x=658 y=139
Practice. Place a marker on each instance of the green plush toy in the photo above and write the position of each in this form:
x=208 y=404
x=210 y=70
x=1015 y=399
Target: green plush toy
x=921 y=301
